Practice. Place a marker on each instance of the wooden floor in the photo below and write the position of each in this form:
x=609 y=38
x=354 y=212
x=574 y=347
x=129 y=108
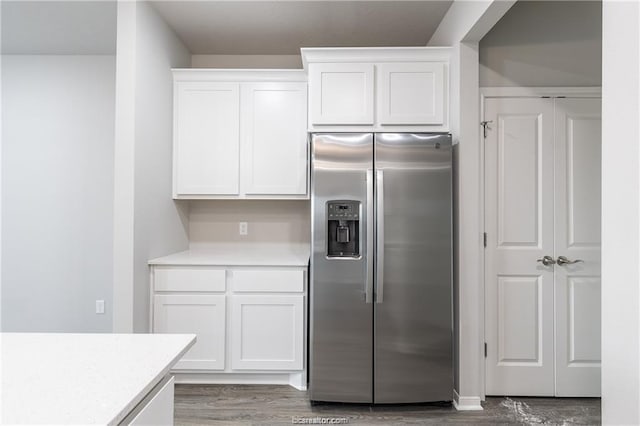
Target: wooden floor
x=283 y=405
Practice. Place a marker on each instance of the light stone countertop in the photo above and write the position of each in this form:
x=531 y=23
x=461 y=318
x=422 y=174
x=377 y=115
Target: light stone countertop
x=67 y=379
x=240 y=255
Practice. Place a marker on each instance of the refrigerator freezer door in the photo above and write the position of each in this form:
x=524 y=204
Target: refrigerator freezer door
x=413 y=339
x=341 y=326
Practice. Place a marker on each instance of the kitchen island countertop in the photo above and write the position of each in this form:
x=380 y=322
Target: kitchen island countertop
x=59 y=378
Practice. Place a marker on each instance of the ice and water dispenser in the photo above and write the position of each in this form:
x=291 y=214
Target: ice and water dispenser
x=343 y=227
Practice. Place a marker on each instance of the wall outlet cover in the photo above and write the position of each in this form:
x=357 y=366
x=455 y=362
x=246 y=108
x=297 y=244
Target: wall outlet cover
x=244 y=228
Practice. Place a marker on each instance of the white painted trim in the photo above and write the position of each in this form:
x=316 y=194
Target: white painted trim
x=298 y=381
x=390 y=128
x=469 y=21
x=123 y=166
x=373 y=54
x=483 y=227
x=523 y=92
x=1 y=193
x=466 y=403
x=293 y=379
x=238 y=75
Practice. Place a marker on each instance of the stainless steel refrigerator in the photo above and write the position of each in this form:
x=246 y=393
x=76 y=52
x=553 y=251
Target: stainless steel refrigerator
x=381 y=287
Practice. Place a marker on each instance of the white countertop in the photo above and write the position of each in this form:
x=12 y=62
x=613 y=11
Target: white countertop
x=240 y=255
x=65 y=379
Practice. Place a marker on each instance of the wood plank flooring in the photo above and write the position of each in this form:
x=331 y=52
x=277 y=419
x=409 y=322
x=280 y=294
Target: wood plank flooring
x=284 y=405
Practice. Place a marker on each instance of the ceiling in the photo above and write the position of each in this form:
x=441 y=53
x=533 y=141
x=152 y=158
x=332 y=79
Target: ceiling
x=228 y=27
x=283 y=27
x=58 y=27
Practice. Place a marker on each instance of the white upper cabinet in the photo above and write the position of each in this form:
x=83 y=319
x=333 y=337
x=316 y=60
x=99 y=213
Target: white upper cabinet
x=274 y=149
x=411 y=93
x=206 y=138
x=240 y=134
x=341 y=94
x=378 y=89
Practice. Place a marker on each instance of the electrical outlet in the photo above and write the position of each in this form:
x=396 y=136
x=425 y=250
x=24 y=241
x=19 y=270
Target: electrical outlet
x=99 y=306
x=244 y=228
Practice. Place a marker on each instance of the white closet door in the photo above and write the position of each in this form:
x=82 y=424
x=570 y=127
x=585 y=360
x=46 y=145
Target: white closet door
x=519 y=225
x=578 y=195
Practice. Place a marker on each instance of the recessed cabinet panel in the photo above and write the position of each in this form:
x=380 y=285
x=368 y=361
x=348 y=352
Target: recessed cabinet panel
x=189 y=278
x=206 y=139
x=341 y=94
x=267 y=332
x=272 y=281
x=203 y=315
x=411 y=93
x=274 y=137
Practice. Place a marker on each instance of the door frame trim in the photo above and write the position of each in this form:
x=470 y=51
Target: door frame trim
x=489 y=92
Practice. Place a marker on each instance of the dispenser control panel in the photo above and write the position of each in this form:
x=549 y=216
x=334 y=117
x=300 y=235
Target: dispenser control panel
x=343 y=211
x=343 y=228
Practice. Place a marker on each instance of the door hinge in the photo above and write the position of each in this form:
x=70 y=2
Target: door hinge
x=485 y=349
x=484 y=239
x=484 y=125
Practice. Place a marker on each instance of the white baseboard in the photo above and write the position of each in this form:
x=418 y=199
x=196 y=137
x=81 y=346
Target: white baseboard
x=466 y=403
x=296 y=380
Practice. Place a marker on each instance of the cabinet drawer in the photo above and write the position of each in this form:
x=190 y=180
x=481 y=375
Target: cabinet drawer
x=271 y=281
x=189 y=279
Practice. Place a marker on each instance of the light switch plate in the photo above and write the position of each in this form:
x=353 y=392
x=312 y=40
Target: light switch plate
x=99 y=306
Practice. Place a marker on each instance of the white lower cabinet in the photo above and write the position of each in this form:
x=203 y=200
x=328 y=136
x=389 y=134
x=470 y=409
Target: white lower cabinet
x=267 y=332
x=250 y=322
x=202 y=314
x=157 y=407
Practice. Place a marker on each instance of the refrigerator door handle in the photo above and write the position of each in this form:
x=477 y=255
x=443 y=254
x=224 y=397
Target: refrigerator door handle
x=368 y=291
x=379 y=235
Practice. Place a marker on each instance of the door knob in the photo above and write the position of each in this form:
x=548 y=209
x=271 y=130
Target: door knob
x=547 y=260
x=564 y=261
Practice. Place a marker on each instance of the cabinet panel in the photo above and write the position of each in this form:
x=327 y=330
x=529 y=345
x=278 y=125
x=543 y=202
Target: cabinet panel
x=272 y=281
x=411 y=93
x=267 y=332
x=189 y=279
x=341 y=93
x=274 y=136
x=206 y=138
x=203 y=315
x=158 y=410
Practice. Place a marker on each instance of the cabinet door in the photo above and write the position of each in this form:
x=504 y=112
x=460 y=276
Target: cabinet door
x=274 y=138
x=203 y=315
x=267 y=332
x=341 y=94
x=411 y=93
x=206 y=138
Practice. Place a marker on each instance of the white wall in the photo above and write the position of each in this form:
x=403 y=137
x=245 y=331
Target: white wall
x=57 y=186
x=621 y=214
x=544 y=43
x=269 y=222
x=462 y=27
x=147 y=222
x=247 y=61
x=160 y=224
